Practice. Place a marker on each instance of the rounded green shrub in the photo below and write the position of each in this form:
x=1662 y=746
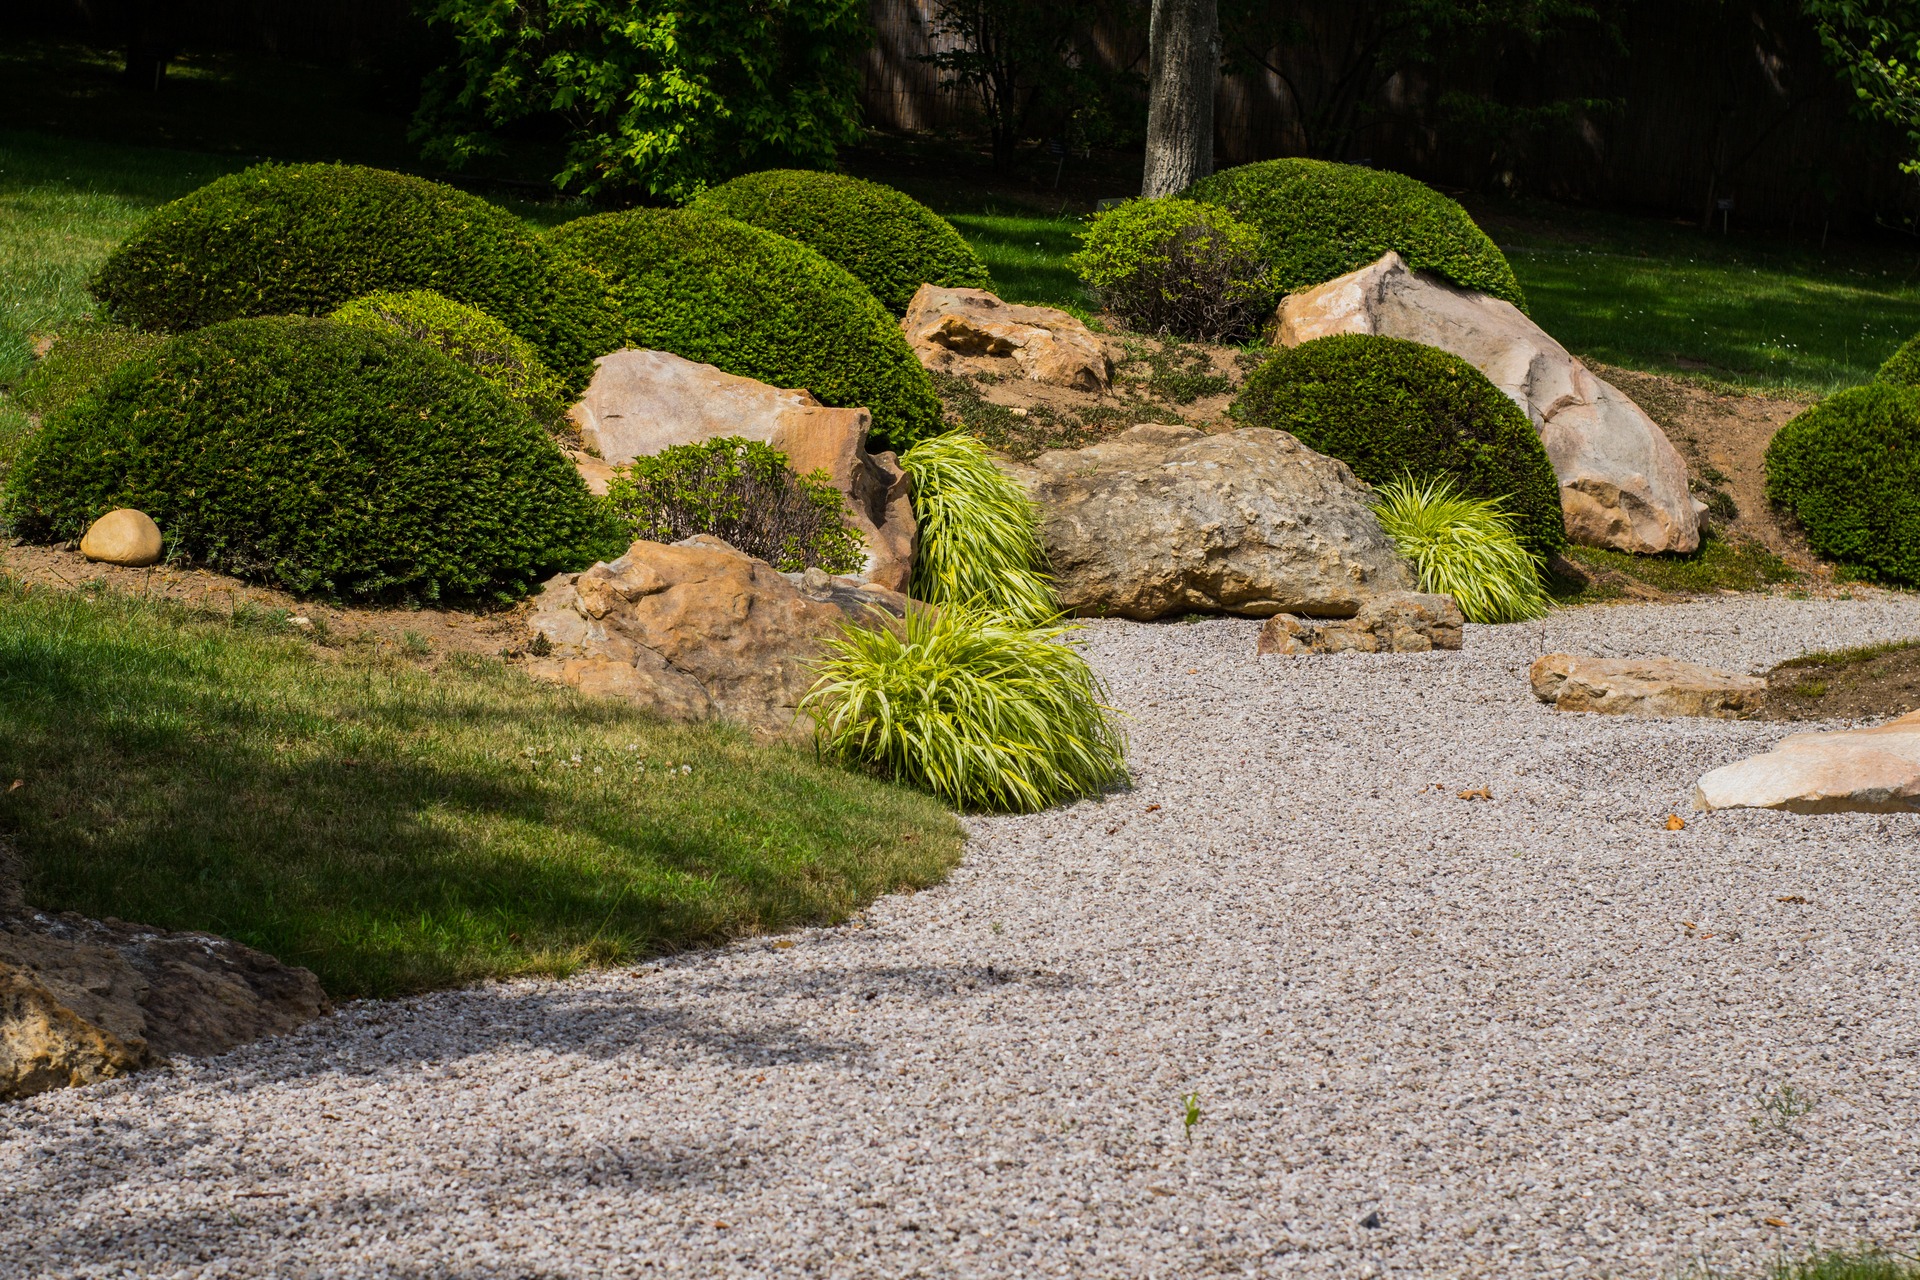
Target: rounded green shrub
x=885 y=239
x=472 y=337
x=1388 y=407
x=305 y=239
x=979 y=533
x=319 y=457
x=1318 y=220
x=756 y=304
x=1902 y=368
x=1467 y=548
x=1175 y=266
x=1849 y=471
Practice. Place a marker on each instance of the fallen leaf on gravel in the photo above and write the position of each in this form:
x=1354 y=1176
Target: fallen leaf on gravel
x=1113 y=831
x=1688 y=924
x=1792 y=897
x=1477 y=793
x=1676 y=823
x=1775 y=1222
x=724 y=1226
x=1193 y=671
x=783 y=944
x=1152 y=807
x=1160 y=1191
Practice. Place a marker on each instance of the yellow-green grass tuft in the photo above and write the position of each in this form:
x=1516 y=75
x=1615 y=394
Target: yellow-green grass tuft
x=1467 y=548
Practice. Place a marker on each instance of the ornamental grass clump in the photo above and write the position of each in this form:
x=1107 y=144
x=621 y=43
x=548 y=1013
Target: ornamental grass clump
x=983 y=714
x=1175 y=266
x=979 y=533
x=1467 y=548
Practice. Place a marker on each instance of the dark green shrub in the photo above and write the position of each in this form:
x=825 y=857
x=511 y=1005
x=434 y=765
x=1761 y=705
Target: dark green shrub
x=744 y=492
x=319 y=457
x=1176 y=266
x=304 y=239
x=80 y=359
x=1849 y=470
x=1902 y=368
x=885 y=239
x=760 y=305
x=1319 y=220
x=1388 y=408
x=470 y=336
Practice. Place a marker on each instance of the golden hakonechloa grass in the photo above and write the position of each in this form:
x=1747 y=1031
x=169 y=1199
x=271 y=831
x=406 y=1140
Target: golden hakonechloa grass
x=1467 y=548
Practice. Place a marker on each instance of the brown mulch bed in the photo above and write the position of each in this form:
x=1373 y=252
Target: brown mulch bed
x=1874 y=683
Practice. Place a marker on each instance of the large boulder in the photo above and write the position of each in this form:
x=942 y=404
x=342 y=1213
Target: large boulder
x=641 y=402
x=699 y=631
x=1644 y=687
x=1852 y=771
x=1161 y=519
x=972 y=331
x=1622 y=483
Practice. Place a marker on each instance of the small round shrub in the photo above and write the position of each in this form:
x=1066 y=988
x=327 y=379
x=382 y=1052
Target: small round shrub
x=885 y=239
x=472 y=337
x=1902 y=368
x=1467 y=548
x=1849 y=471
x=757 y=304
x=744 y=492
x=1318 y=220
x=305 y=239
x=1386 y=407
x=979 y=533
x=1175 y=266
x=319 y=457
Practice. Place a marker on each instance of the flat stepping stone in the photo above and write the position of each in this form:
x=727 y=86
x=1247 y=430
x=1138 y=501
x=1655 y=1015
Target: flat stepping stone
x=1852 y=771
x=1644 y=687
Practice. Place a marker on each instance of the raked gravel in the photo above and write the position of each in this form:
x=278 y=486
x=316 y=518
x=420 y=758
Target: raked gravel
x=1428 y=1036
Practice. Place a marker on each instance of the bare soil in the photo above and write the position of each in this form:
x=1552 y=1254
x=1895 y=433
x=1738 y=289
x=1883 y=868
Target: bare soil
x=1873 y=683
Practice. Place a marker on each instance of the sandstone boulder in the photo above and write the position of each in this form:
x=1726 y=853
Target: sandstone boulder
x=1398 y=622
x=1644 y=687
x=125 y=537
x=970 y=330
x=1852 y=771
x=699 y=631
x=1622 y=483
x=1159 y=520
x=641 y=402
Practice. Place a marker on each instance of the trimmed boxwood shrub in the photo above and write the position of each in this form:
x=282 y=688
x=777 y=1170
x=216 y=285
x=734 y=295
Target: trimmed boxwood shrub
x=1902 y=368
x=319 y=457
x=1388 y=408
x=1319 y=220
x=885 y=239
x=1175 y=266
x=757 y=304
x=304 y=239
x=1849 y=470
x=470 y=336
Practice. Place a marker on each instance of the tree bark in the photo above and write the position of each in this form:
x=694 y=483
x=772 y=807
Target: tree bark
x=1184 y=48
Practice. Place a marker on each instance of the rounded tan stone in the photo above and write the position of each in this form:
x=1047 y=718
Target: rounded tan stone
x=125 y=537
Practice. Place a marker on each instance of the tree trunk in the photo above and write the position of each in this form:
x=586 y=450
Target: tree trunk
x=1184 y=48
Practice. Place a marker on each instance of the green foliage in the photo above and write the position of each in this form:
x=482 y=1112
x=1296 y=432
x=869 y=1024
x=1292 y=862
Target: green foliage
x=305 y=239
x=1902 y=368
x=1467 y=548
x=741 y=491
x=1176 y=266
x=983 y=714
x=316 y=456
x=1848 y=1264
x=979 y=533
x=886 y=240
x=78 y=361
x=1318 y=220
x=470 y=336
x=1849 y=470
x=757 y=304
x=1387 y=407
x=1875 y=46
x=655 y=96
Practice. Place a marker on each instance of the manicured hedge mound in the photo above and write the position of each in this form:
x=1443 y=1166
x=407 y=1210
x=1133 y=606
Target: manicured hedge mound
x=315 y=456
x=1849 y=470
x=470 y=336
x=1319 y=220
x=304 y=239
x=1388 y=408
x=1176 y=266
x=885 y=239
x=1902 y=368
x=757 y=304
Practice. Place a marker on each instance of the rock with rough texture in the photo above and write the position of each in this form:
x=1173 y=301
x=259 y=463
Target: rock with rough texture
x=1644 y=687
x=88 y=1000
x=641 y=402
x=1853 y=771
x=699 y=631
x=1165 y=519
x=1398 y=622
x=970 y=330
x=1622 y=483
x=124 y=537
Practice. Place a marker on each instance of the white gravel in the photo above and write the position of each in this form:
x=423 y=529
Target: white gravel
x=1483 y=1026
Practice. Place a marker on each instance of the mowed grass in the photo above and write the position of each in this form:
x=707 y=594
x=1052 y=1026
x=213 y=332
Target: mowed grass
x=397 y=829
x=1027 y=253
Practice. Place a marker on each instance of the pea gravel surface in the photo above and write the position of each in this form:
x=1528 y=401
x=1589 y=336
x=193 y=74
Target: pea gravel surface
x=1415 y=1035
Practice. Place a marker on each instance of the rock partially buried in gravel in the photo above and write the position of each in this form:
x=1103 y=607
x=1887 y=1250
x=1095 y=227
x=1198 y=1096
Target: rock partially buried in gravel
x=1399 y=622
x=970 y=330
x=1852 y=771
x=1644 y=687
x=1159 y=520
x=123 y=537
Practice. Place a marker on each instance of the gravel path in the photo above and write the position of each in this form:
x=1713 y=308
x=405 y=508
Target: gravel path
x=1429 y=1036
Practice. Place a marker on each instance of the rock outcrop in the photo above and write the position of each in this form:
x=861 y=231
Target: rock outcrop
x=1644 y=687
x=699 y=631
x=1161 y=520
x=970 y=330
x=1873 y=770
x=641 y=402
x=1398 y=622
x=1622 y=483
x=123 y=537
